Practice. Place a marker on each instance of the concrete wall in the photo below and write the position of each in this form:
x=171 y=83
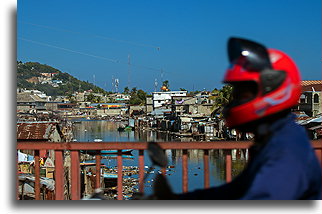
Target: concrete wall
x=25 y=108
x=149 y=108
x=137 y=108
x=51 y=106
x=159 y=98
x=204 y=109
x=310 y=107
x=200 y=109
x=316 y=108
x=110 y=112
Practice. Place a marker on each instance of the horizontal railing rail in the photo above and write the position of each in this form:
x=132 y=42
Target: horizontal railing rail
x=75 y=147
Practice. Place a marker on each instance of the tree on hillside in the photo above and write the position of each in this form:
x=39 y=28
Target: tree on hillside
x=221 y=97
x=133 y=91
x=192 y=93
x=138 y=97
x=126 y=90
x=90 y=98
x=165 y=83
x=142 y=96
x=70 y=84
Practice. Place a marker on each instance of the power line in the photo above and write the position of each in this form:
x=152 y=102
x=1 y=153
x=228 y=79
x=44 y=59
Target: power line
x=93 y=35
x=86 y=54
x=69 y=50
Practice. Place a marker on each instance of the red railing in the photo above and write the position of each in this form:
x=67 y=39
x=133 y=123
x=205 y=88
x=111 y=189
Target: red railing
x=75 y=147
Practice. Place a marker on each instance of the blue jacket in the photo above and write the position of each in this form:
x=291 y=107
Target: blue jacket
x=285 y=167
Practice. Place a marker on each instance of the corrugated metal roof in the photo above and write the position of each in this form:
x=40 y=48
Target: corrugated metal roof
x=34 y=131
x=27 y=97
x=307 y=120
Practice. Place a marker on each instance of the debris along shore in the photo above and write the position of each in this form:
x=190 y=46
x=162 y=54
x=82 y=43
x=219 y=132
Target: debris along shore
x=109 y=181
x=109 y=178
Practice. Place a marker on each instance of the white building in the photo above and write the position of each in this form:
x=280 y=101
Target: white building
x=162 y=98
x=120 y=97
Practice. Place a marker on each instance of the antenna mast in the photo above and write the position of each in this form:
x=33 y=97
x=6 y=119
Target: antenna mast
x=116 y=85
x=112 y=83
x=155 y=85
x=129 y=71
x=162 y=74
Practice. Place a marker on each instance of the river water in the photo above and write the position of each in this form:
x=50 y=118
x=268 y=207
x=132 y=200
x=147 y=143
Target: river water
x=88 y=130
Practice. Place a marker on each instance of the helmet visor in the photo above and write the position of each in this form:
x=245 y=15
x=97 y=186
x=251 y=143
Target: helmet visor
x=250 y=55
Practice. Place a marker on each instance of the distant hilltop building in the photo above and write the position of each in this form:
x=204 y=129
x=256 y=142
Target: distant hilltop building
x=34 y=80
x=45 y=78
x=48 y=74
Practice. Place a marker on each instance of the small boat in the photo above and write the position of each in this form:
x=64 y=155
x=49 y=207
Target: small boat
x=114 y=156
x=110 y=179
x=127 y=128
x=110 y=175
x=98 y=140
x=124 y=151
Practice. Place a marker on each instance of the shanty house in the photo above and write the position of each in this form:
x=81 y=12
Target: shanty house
x=27 y=102
x=38 y=131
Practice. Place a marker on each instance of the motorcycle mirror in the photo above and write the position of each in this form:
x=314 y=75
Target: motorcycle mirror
x=157 y=154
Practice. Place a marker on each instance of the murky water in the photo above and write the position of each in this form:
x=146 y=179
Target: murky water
x=107 y=131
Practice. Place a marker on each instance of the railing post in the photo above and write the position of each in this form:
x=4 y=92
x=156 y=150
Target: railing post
x=17 y=178
x=119 y=175
x=228 y=165
x=206 y=168
x=164 y=169
x=184 y=170
x=98 y=169
x=141 y=171
x=37 y=176
x=75 y=175
x=59 y=175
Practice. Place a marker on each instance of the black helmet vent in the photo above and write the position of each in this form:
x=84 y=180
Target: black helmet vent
x=271 y=80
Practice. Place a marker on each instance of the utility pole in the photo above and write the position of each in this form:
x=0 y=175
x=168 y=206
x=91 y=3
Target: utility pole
x=162 y=74
x=112 y=83
x=116 y=85
x=155 y=85
x=129 y=71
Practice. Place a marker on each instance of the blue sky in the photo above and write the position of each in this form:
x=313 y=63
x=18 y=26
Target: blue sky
x=92 y=40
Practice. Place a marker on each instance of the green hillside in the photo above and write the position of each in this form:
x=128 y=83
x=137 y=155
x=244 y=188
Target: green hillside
x=29 y=76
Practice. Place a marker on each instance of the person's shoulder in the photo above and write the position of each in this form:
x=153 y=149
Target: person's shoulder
x=290 y=136
x=291 y=129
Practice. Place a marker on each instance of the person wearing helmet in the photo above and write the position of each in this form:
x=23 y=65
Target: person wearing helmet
x=282 y=165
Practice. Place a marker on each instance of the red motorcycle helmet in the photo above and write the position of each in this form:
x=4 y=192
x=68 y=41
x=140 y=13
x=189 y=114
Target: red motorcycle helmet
x=271 y=74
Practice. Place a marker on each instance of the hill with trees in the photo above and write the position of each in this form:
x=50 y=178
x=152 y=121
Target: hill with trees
x=53 y=82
